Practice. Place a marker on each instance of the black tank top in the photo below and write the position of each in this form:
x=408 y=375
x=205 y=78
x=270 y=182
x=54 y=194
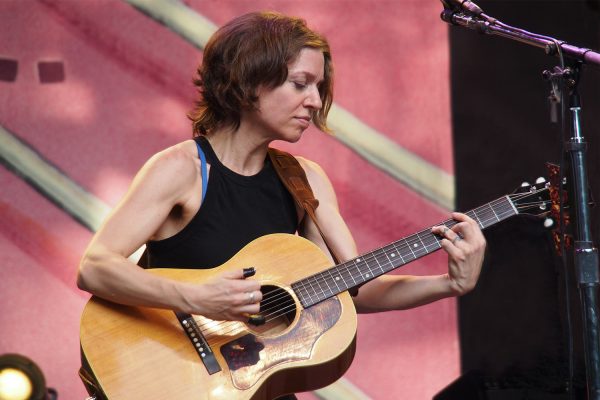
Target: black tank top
x=236 y=210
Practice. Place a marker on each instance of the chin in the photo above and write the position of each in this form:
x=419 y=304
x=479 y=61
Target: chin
x=291 y=137
x=295 y=139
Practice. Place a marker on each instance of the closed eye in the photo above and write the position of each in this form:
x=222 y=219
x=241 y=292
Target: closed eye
x=299 y=85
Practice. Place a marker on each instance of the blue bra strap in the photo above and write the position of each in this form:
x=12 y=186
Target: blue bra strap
x=203 y=170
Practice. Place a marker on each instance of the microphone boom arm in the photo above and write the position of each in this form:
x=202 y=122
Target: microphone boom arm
x=481 y=25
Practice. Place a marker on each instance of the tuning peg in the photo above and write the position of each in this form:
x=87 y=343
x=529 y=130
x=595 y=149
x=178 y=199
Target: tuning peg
x=541 y=179
x=548 y=223
x=525 y=184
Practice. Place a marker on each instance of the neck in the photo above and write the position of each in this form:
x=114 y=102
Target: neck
x=238 y=151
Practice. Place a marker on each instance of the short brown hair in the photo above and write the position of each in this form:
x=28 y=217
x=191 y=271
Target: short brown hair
x=249 y=51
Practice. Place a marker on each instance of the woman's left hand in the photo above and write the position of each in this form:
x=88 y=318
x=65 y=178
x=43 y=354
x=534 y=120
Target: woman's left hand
x=465 y=245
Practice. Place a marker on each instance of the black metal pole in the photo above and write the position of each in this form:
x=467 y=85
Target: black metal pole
x=585 y=255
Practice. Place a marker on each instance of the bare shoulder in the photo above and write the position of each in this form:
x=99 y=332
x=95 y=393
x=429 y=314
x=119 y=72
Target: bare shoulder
x=172 y=170
x=312 y=169
x=175 y=159
x=317 y=178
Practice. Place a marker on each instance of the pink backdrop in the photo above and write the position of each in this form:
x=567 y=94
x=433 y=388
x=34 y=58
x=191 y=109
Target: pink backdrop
x=127 y=88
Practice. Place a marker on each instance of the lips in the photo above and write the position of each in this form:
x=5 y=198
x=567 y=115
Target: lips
x=304 y=121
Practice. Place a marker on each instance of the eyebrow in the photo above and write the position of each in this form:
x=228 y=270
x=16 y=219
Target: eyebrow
x=310 y=75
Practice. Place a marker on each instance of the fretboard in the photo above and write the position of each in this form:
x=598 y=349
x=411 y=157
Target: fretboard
x=352 y=273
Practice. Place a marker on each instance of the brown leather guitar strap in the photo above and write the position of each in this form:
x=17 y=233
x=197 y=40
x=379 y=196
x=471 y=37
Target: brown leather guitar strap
x=294 y=179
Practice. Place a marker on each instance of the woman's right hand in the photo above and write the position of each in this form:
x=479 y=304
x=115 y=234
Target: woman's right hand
x=229 y=296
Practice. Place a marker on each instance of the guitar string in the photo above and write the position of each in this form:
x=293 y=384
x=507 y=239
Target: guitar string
x=238 y=327
x=289 y=305
x=218 y=326
x=280 y=312
x=427 y=242
x=241 y=328
x=374 y=256
x=400 y=245
x=269 y=300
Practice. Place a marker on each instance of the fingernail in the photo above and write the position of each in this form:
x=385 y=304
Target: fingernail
x=248 y=272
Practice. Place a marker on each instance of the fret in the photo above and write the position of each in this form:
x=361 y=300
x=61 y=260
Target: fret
x=422 y=244
x=350 y=272
x=389 y=262
x=356 y=265
x=326 y=280
x=312 y=289
x=407 y=244
x=318 y=291
x=433 y=241
x=493 y=211
x=369 y=275
x=346 y=275
x=322 y=290
x=398 y=253
x=380 y=252
x=480 y=217
x=334 y=280
x=300 y=290
x=491 y=218
x=472 y=215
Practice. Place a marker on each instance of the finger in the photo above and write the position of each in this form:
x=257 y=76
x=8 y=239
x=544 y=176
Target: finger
x=256 y=319
x=246 y=311
x=440 y=230
x=241 y=273
x=453 y=251
x=451 y=234
x=255 y=297
x=247 y=297
x=243 y=286
x=469 y=229
x=467 y=225
x=233 y=274
x=462 y=217
x=248 y=272
x=235 y=282
x=457 y=238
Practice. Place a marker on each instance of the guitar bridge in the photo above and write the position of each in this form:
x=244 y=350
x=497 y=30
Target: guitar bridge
x=200 y=344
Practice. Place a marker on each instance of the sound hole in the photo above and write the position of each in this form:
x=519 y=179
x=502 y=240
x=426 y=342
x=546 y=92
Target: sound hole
x=278 y=309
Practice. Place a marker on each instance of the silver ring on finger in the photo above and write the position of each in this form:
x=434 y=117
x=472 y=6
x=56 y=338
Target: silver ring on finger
x=456 y=239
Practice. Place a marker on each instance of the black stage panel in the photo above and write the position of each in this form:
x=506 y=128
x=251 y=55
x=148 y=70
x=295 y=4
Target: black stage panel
x=513 y=330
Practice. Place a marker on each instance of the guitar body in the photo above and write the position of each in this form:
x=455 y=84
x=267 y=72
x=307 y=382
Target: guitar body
x=145 y=353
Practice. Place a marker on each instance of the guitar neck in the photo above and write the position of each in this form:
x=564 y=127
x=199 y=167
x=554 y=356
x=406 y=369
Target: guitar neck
x=354 y=272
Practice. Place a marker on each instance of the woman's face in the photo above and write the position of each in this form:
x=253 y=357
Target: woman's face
x=285 y=111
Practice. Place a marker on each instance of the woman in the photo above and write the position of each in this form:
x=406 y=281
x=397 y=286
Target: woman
x=263 y=77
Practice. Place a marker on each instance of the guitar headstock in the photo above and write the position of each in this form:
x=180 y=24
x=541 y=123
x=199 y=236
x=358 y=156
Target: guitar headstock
x=543 y=199
x=533 y=199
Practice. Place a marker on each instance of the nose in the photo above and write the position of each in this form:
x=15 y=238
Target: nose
x=313 y=98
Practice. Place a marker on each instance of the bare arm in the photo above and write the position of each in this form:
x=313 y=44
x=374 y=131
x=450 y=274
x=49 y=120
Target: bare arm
x=393 y=292
x=164 y=182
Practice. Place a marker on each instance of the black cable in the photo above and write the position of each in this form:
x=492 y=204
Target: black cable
x=562 y=227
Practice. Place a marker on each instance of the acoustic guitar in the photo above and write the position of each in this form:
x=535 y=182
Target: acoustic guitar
x=307 y=340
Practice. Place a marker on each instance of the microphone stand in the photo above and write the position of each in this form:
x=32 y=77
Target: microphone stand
x=585 y=253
